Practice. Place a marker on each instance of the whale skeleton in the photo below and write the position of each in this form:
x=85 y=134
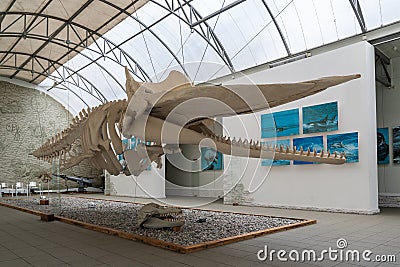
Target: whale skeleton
x=174 y=112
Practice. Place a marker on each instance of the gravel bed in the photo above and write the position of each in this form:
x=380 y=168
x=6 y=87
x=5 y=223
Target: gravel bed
x=122 y=216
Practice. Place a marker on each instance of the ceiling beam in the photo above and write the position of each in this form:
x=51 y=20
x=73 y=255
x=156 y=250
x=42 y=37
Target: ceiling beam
x=6 y=11
x=122 y=59
x=92 y=90
x=225 y=8
x=151 y=31
x=54 y=34
x=359 y=15
x=62 y=44
x=285 y=43
x=204 y=30
x=145 y=76
x=27 y=28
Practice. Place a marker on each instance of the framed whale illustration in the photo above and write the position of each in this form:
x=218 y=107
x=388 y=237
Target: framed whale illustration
x=211 y=160
x=308 y=143
x=345 y=142
x=382 y=142
x=320 y=118
x=282 y=123
x=396 y=144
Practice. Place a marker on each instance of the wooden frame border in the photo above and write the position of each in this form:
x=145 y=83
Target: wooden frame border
x=168 y=245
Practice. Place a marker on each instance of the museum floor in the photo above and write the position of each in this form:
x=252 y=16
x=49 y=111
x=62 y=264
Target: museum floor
x=27 y=241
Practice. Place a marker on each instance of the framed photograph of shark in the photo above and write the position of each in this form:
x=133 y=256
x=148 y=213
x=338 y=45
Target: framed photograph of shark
x=211 y=160
x=396 y=144
x=345 y=142
x=382 y=141
x=320 y=118
x=282 y=123
x=268 y=162
x=306 y=143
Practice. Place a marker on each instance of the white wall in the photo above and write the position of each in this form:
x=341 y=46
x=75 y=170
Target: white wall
x=149 y=184
x=349 y=187
x=388 y=110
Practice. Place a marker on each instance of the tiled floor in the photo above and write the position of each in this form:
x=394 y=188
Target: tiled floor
x=27 y=241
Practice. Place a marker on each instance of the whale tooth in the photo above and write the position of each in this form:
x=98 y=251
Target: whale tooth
x=308 y=152
x=246 y=142
x=341 y=155
x=301 y=150
x=240 y=141
x=287 y=151
x=233 y=142
x=329 y=153
x=281 y=149
x=322 y=153
x=335 y=153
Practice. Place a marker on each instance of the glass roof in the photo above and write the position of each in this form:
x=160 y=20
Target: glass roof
x=159 y=38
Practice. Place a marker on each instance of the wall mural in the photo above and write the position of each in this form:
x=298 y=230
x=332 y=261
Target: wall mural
x=211 y=160
x=382 y=141
x=396 y=145
x=347 y=143
x=13 y=128
x=283 y=123
x=320 y=118
x=10 y=106
x=268 y=162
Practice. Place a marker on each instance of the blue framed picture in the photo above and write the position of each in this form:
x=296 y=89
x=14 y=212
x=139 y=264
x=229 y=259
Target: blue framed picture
x=282 y=123
x=306 y=143
x=125 y=144
x=211 y=160
x=268 y=162
x=382 y=142
x=136 y=141
x=396 y=144
x=320 y=118
x=347 y=143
